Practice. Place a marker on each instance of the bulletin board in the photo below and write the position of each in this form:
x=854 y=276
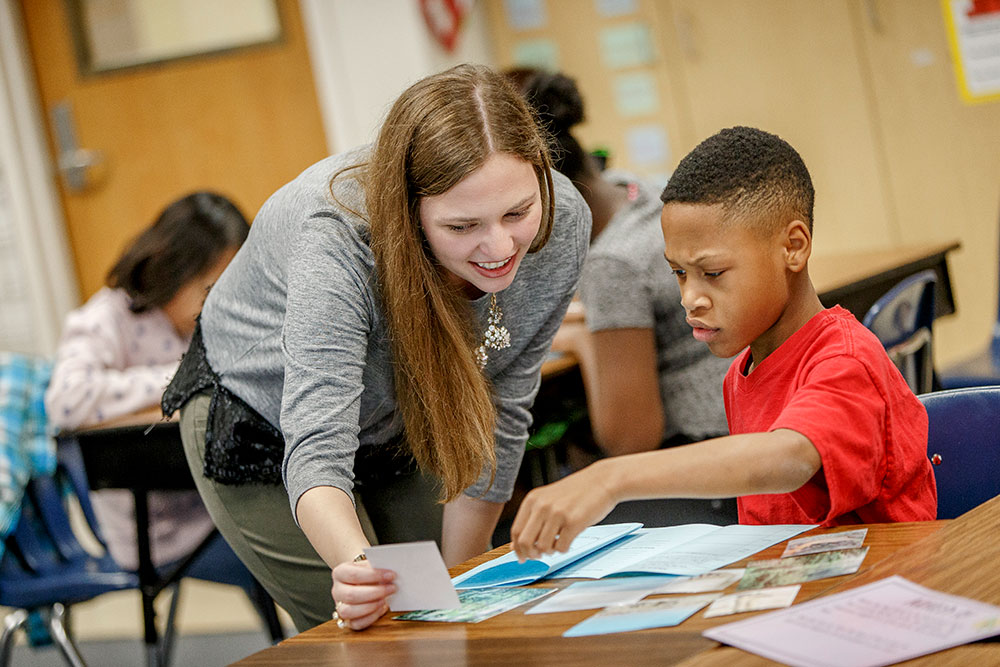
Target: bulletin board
x=974 y=38
x=610 y=48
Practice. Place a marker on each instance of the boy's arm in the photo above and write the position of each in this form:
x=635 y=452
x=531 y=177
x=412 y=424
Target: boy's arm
x=736 y=465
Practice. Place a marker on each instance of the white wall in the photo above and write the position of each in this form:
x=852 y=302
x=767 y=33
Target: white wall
x=37 y=286
x=365 y=52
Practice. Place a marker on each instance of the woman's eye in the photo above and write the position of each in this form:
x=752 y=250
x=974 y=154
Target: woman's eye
x=518 y=214
x=459 y=228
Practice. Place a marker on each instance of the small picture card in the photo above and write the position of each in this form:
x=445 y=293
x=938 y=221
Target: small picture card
x=703 y=583
x=657 y=613
x=799 y=569
x=478 y=604
x=764 y=598
x=814 y=544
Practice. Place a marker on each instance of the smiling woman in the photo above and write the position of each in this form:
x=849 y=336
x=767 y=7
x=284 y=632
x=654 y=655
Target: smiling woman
x=354 y=348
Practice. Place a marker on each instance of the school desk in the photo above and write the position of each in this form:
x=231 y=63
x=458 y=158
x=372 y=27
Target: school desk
x=516 y=639
x=962 y=559
x=134 y=454
x=856 y=280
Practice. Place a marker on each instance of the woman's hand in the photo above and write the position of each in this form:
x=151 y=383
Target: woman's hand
x=551 y=516
x=360 y=592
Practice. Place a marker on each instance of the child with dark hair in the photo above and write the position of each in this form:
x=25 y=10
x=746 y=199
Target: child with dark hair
x=119 y=350
x=823 y=427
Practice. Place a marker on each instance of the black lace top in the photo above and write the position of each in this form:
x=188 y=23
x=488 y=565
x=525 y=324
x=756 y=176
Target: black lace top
x=240 y=446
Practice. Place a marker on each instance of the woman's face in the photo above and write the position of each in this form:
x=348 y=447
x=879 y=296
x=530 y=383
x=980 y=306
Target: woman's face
x=480 y=229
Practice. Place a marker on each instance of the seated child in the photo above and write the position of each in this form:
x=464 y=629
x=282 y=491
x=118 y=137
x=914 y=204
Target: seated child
x=823 y=427
x=119 y=350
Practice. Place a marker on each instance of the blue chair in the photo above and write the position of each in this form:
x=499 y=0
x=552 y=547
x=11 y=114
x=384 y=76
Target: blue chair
x=980 y=369
x=45 y=569
x=963 y=444
x=213 y=560
x=903 y=321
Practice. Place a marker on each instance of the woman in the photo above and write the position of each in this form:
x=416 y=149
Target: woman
x=376 y=346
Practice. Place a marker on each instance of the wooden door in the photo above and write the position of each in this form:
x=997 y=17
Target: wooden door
x=795 y=69
x=241 y=123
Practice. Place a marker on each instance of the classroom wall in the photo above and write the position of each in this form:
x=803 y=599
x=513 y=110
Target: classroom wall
x=864 y=89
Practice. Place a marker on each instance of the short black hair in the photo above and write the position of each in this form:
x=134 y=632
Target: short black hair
x=184 y=242
x=757 y=177
x=557 y=102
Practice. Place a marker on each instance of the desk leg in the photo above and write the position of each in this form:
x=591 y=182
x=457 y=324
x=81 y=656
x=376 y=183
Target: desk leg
x=148 y=580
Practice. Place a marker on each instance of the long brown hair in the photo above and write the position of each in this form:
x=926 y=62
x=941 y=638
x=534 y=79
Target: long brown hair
x=437 y=132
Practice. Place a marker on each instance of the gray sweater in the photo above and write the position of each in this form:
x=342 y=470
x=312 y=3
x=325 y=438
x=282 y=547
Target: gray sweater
x=296 y=329
x=626 y=284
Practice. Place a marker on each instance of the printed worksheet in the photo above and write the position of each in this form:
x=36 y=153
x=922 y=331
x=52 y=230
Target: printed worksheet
x=690 y=549
x=883 y=623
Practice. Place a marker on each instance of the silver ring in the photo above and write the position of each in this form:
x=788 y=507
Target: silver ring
x=341 y=623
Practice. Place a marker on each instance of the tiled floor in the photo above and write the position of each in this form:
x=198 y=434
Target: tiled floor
x=216 y=625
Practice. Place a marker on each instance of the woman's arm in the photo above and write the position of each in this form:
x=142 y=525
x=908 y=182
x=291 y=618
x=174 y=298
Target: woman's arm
x=468 y=528
x=328 y=518
x=551 y=516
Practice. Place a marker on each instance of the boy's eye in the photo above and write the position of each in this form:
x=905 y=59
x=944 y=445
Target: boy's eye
x=713 y=274
x=678 y=272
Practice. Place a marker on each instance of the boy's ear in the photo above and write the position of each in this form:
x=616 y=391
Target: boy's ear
x=797 y=245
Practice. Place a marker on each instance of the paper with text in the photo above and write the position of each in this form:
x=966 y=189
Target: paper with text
x=690 y=549
x=882 y=623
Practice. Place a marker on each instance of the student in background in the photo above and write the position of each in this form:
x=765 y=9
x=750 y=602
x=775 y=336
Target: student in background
x=824 y=428
x=119 y=350
x=649 y=384
x=376 y=346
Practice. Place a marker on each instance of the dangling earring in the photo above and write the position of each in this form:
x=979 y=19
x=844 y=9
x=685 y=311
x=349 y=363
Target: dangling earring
x=495 y=337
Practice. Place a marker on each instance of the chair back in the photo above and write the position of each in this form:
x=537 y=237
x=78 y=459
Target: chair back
x=963 y=444
x=903 y=319
x=45 y=562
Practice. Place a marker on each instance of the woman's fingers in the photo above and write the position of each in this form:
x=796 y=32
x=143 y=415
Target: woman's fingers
x=361 y=615
x=360 y=592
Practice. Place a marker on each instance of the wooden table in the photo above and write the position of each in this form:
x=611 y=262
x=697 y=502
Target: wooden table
x=856 y=280
x=515 y=639
x=960 y=559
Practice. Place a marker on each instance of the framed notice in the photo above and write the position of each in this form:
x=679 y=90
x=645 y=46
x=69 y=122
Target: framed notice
x=974 y=37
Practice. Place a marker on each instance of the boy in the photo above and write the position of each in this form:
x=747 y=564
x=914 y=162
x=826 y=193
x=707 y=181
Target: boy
x=823 y=427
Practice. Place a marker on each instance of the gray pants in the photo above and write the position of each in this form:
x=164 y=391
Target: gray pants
x=257 y=522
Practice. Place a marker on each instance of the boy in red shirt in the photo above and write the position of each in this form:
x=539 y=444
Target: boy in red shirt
x=823 y=427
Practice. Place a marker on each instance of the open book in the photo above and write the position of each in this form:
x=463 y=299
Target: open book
x=620 y=549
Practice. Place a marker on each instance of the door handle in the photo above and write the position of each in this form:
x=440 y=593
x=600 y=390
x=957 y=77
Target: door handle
x=74 y=163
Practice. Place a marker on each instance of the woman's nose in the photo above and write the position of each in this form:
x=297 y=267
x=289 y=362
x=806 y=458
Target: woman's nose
x=498 y=243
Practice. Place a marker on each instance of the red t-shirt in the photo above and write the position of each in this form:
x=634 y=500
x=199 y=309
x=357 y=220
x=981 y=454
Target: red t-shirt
x=832 y=382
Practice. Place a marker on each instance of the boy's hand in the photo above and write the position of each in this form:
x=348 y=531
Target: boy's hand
x=360 y=592
x=551 y=516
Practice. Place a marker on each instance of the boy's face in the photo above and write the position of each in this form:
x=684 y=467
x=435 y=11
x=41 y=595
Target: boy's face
x=733 y=282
